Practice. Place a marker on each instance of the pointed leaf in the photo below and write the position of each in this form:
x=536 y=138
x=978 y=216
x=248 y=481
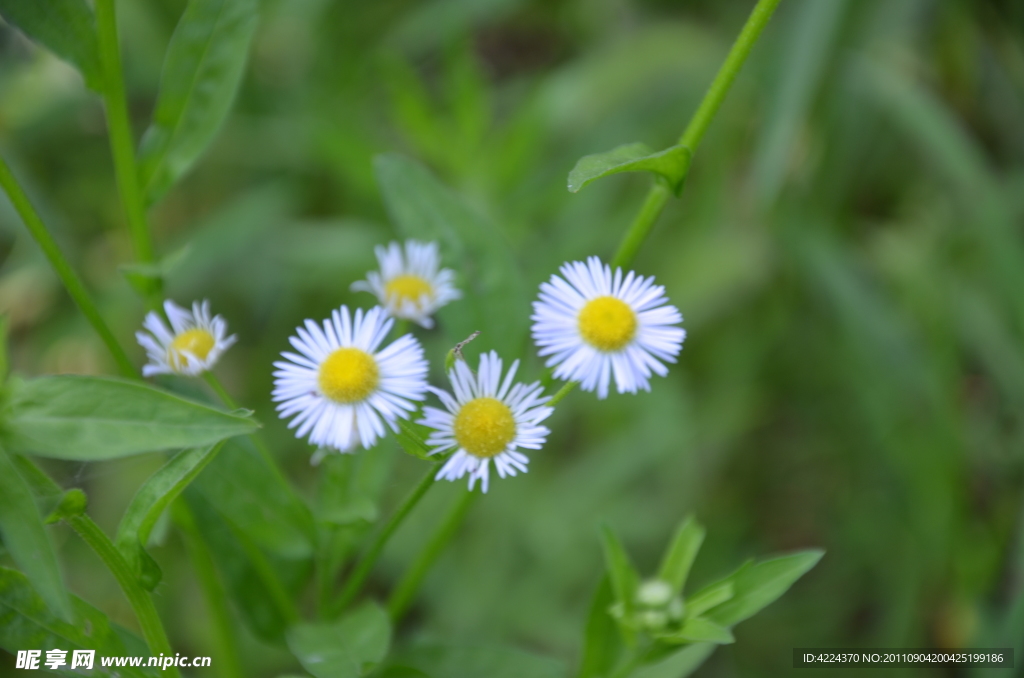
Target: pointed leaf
x=601 y=639
x=65 y=27
x=90 y=418
x=681 y=552
x=757 y=586
x=343 y=649
x=671 y=164
x=149 y=503
x=621 y=573
x=26 y=540
x=202 y=70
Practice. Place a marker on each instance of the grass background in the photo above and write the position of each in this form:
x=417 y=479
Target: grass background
x=847 y=255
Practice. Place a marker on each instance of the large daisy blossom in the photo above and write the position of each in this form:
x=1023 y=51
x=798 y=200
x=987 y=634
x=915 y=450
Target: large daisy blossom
x=191 y=345
x=593 y=324
x=340 y=388
x=486 y=420
x=410 y=284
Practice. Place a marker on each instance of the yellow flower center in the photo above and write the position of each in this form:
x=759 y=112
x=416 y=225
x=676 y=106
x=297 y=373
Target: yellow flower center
x=196 y=341
x=348 y=375
x=404 y=288
x=484 y=427
x=607 y=323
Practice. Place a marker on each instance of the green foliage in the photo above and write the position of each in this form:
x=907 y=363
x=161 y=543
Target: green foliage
x=601 y=644
x=679 y=664
x=202 y=71
x=25 y=538
x=346 y=648
x=495 y=300
x=671 y=165
x=680 y=554
x=150 y=502
x=66 y=27
x=90 y=418
x=756 y=585
x=27 y=622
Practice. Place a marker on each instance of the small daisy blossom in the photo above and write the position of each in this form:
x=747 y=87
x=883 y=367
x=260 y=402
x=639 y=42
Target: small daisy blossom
x=410 y=285
x=486 y=420
x=191 y=345
x=340 y=388
x=594 y=324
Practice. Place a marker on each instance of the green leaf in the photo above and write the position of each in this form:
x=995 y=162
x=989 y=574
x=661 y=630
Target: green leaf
x=91 y=418
x=700 y=630
x=26 y=540
x=709 y=597
x=412 y=436
x=202 y=70
x=678 y=665
x=150 y=501
x=443 y=661
x=671 y=164
x=757 y=585
x=253 y=583
x=4 y=346
x=621 y=573
x=27 y=623
x=681 y=552
x=345 y=648
x=601 y=638
x=65 y=27
x=258 y=500
x=494 y=297
x=145 y=278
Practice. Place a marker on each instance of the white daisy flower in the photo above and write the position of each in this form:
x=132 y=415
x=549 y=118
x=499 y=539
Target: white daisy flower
x=340 y=387
x=594 y=324
x=191 y=345
x=409 y=285
x=487 y=419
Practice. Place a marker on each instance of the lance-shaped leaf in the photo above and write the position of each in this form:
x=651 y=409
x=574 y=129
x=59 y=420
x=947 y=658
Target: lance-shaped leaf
x=343 y=649
x=700 y=630
x=27 y=623
x=91 y=418
x=681 y=552
x=677 y=665
x=152 y=498
x=671 y=164
x=621 y=573
x=26 y=540
x=65 y=27
x=202 y=70
x=756 y=585
x=601 y=644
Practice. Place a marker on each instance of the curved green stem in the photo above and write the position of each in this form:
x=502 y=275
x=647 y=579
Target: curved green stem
x=405 y=589
x=139 y=598
x=362 y=570
x=657 y=196
x=63 y=269
x=745 y=41
x=122 y=146
x=562 y=392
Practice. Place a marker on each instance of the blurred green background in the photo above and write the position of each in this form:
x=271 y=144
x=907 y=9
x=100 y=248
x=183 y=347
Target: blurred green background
x=847 y=255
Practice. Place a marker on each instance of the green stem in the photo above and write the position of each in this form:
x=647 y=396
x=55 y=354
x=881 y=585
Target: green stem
x=63 y=269
x=756 y=23
x=362 y=570
x=407 y=586
x=642 y=224
x=122 y=145
x=229 y=663
x=562 y=392
x=691 y=137
x=139 y=598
